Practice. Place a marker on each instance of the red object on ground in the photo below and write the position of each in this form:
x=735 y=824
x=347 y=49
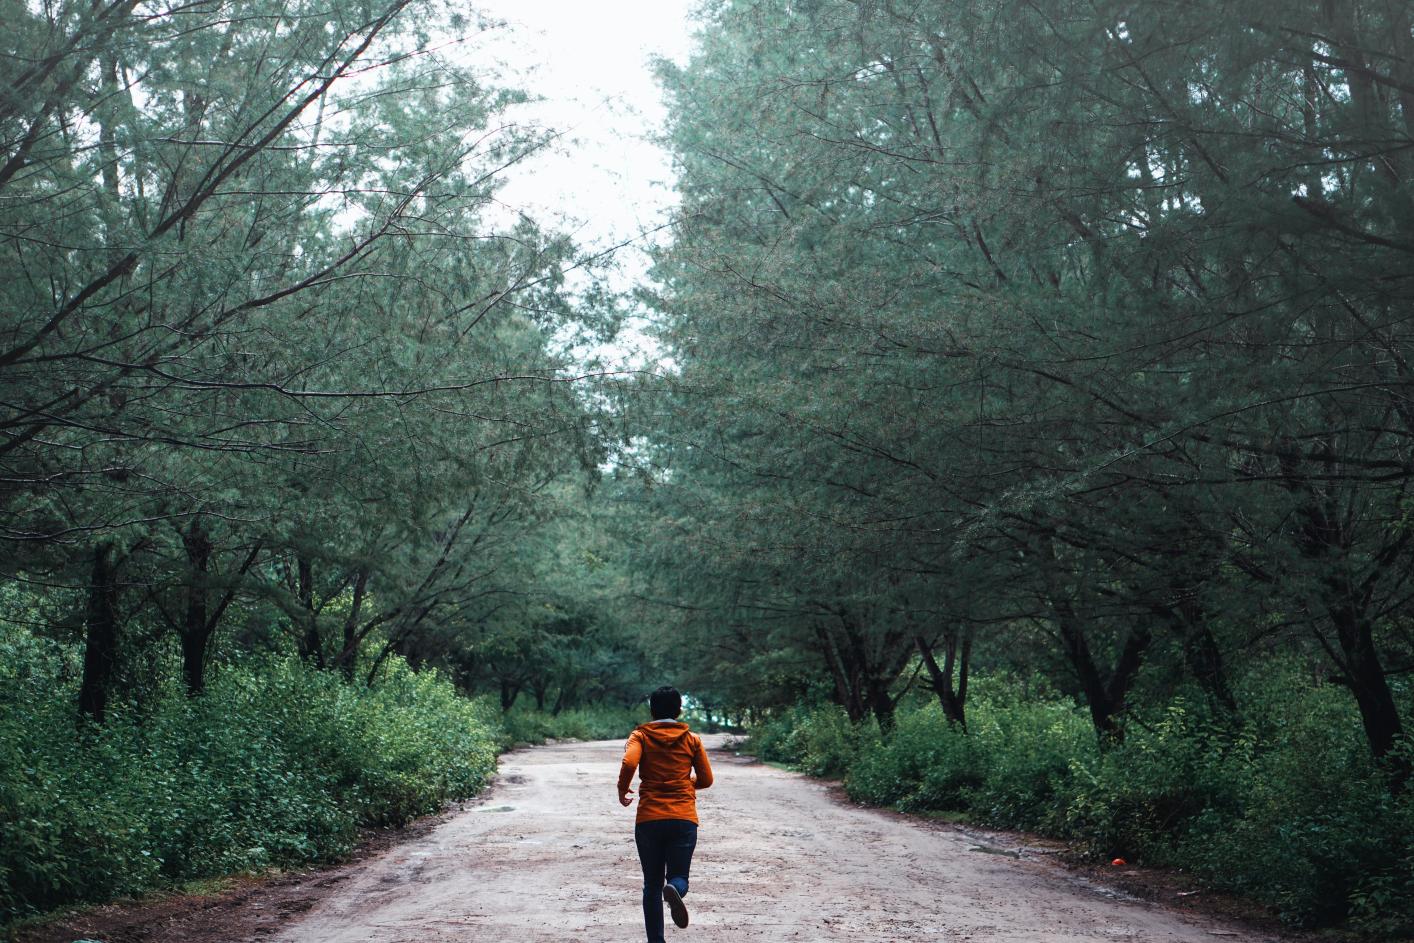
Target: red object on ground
x=1119 y=862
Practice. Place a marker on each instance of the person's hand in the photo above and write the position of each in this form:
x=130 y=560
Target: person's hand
x=626 y=797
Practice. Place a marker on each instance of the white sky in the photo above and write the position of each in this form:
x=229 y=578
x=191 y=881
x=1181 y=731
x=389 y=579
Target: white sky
x=607 y=180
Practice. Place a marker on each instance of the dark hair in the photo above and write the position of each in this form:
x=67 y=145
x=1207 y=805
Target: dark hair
x=665 y=703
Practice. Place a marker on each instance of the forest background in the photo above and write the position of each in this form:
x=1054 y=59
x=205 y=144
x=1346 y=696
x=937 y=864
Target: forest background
x=1026 y=434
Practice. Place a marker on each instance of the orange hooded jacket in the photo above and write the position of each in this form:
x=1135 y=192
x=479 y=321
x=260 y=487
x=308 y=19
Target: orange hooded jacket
x=666 y=756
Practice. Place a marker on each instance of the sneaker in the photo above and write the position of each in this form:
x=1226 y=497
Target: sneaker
x=675 y=904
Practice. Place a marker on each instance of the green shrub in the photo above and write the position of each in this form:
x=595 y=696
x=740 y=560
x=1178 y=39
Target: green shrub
x=925 y=764
x=828 y=743
x=1133 y=799
x=1007 y=768
x=1286 y=808
x=819 y=740
x=277 y=763
x=1026 y=750
x=522 y=725
x=770 y=739
x=1283 y=805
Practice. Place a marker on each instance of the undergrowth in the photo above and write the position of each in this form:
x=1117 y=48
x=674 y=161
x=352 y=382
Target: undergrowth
x=1282 y=805
x=522 y=725
x=275 y=764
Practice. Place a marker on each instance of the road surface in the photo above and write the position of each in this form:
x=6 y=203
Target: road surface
x=547 y=857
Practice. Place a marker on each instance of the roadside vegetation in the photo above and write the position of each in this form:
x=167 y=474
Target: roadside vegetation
x=298 y=464
x=1067 y=343
x=276 y=764
x=1283 y=807
x=1029 y=394
x=601 y=722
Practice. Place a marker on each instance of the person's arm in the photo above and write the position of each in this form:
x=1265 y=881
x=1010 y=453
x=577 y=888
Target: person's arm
x=633 y=752
x=701 y=767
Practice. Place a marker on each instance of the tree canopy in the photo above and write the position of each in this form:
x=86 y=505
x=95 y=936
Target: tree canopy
x=1084 y=325
x=1067 y=343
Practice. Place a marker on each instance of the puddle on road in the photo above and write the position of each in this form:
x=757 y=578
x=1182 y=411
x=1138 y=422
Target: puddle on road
x=989 y=849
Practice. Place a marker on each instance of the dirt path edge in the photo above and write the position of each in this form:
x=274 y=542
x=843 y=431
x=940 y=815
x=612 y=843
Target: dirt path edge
x=254 y=906
x=1165 y=887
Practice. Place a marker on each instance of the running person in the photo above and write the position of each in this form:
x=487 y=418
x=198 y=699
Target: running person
x=672 y=765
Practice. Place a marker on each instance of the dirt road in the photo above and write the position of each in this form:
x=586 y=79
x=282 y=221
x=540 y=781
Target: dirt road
x=548 y=857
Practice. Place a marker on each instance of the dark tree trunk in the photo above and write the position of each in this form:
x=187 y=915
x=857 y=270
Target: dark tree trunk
x=1077 y=653
x=311 y=646
x=1365 y=674
x=957 y=657
x=1205 y=663
x=197 y=626
x=100 y=656
x=565 y=698
x=194 y=662
x=1325 y=537
x=872 y=677
x=348 y=656
x=882 y=704
x=509 y=692
x=539 y=689
x=863 y=673
x=398 y=643
x=845 y=675
x=1104 y=696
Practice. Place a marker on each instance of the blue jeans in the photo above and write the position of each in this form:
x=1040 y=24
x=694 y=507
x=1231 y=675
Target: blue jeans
x=665 y=852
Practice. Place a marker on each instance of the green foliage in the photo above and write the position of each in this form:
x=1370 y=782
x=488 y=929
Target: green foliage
x=1284 y=806
x=954 y=303
x=819 y=740
x=276 y=764
x=1290 y=810
x=596 y=722
x=1009 y=768
x=952 y=309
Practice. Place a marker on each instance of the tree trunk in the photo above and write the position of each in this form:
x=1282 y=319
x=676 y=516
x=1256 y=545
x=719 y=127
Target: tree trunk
x=1205 y=663
x=565 y=698
x=100 y=656
x=1077 y=653
x=197 y=627
x=1325 y=538
x=509 y=693
x=863 y=672
x=389 y=647
x=956 y=660
x=194 y=662
x=882 y=704
x=311 y=646
x=844 y=675
x=1378 y=711
x=1105 y=697
x=348 y=656
x=111 y=194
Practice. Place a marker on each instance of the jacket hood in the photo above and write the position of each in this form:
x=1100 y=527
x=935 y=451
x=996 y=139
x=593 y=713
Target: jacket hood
x=664 y=734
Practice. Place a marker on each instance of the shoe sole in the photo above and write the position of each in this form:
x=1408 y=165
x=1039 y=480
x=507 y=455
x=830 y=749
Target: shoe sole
x=675 y=904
